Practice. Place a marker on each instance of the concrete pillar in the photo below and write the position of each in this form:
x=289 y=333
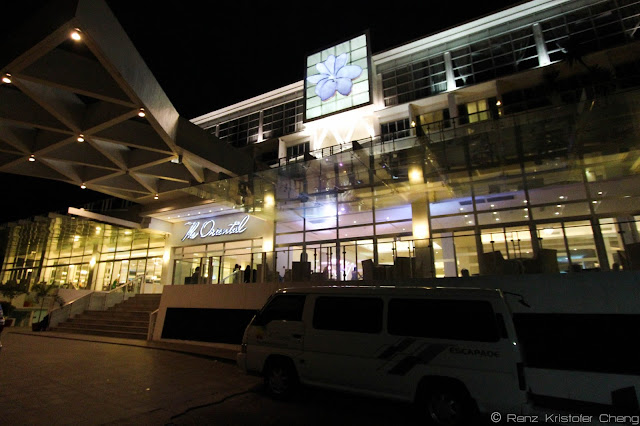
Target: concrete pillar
x=541 y=47
x=449 y=255
x=424 y=267
x=448 y=69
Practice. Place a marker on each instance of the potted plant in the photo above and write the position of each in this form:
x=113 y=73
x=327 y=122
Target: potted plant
x=40 y=292
x=10 y=290
x=7 y=309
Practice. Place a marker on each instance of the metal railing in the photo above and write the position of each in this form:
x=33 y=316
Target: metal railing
x=94 y=301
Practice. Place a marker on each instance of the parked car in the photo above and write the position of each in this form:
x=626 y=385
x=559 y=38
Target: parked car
x=453 y=352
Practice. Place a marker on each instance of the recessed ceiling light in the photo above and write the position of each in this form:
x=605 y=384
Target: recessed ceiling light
x=75 y=35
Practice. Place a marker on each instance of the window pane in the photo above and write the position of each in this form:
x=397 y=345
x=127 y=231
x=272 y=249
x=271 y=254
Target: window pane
x=284 y=308
x=357 y=314
x=443 y=319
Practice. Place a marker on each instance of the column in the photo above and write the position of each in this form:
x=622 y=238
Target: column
x=541 y=47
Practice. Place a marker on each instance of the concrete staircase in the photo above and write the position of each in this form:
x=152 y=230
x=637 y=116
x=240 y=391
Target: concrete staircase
x=129 y=319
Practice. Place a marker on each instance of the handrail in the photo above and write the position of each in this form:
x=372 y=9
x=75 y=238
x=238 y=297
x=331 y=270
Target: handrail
x=82 y=303
x=116 y=289
x=65 y=311
x=231 y=275
x=153 y=316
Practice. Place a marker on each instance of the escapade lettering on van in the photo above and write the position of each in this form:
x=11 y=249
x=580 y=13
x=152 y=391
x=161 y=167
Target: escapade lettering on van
x=474 y=352
x=208 y=229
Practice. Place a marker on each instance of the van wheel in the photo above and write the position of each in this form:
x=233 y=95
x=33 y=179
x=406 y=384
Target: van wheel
x=447 y=404
x=280 y=378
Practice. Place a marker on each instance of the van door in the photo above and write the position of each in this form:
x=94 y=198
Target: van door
x=341 y=341
x=277 y=329
x=466 y=340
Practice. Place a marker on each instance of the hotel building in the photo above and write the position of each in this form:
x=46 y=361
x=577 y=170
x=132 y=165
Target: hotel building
x=505 y=145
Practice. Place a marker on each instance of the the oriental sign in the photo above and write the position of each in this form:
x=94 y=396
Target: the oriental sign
x=208 y=229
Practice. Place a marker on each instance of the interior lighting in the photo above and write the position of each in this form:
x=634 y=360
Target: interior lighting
x=155 y=197
x=141 y=113
x=80 y=138
x=32 y=158
x=6 y=78
x=498 y=102
x=269 y=200
x=83 y=186
x=413 y=123
x=75 y=35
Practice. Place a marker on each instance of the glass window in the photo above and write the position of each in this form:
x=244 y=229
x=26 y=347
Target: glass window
x=284 y=307
x=443 y=319
x=355 y=314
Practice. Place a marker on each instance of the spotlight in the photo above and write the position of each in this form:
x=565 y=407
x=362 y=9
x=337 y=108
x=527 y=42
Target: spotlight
x=80 y=138
x=32 y=158
x=141 y=113
x=155 y=197
x=83 y=186
x=6 y=78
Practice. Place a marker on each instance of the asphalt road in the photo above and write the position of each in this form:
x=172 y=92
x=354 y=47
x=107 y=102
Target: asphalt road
x=58 y=381
x=54 y=381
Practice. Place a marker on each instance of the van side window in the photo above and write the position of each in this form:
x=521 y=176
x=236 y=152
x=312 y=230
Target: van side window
x=356 y=314
x=283 y=307
x=471 y=320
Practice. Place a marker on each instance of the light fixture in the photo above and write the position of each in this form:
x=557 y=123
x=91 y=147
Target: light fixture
x=32 y=158
x=499 y=103
x=413 y=123
x=155 y=197
x=141 y=113
x=6 y=78
x=75 y=34
x=80 y=138
x=83 y=186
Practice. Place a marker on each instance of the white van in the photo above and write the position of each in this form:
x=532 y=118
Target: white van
x=452 y=350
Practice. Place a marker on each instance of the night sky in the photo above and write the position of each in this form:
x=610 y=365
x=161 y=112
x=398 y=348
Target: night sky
x=207 y=56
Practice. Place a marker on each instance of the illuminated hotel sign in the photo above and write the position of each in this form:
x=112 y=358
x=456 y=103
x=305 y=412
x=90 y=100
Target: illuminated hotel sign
x=337 y=78
x=208 y=229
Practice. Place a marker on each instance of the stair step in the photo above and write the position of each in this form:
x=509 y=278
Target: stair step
x=128 y=319
x=104 y=326
x=107 y=333
x=118 y=314
x=113 y=321
x=83 y=322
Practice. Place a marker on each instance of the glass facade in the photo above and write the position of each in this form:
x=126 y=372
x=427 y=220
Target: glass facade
x=76 y=253
x=462 y=164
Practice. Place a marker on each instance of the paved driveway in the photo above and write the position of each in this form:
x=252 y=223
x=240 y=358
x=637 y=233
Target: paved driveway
x=57 y=381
